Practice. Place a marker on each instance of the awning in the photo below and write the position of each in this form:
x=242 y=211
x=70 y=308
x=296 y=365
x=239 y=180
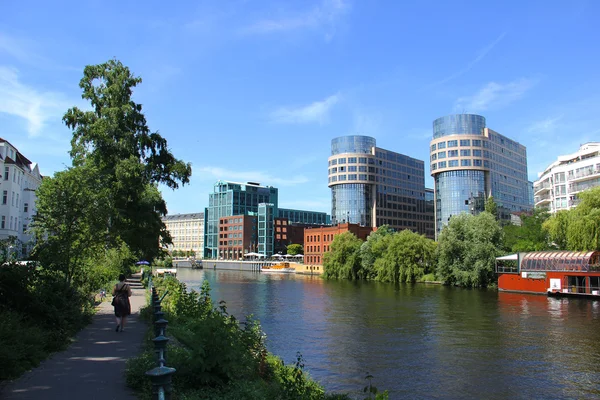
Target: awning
x=513 y=257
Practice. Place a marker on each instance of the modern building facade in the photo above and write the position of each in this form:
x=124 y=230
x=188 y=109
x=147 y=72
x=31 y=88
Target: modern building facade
x=371 y=186
x=187 y=232
x=469 y=163
x=558 y=185
x=237 y=236
x=317 y=241
x=231 y=199
x=20 y=180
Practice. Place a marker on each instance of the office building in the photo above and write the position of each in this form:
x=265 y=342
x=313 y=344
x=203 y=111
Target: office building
x=229 y=199
x=187 y=232
x=371 y=186
x=237 y=236
x=20 y=180
x=317 y=241
x=559 y=184
x=469 y=163
x=233 y=199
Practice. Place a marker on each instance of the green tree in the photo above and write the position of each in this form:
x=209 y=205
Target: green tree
x=557 y=227
x=343 y=260
x=70 y=223
x=132 y=160
x=294 y=249
x=372 y=249
x=491 y=206
x=467 y=248
x=530 y=236
x=581 y=224
x=406 y=257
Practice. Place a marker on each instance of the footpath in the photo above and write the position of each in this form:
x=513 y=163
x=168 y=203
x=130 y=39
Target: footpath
x=93 y=367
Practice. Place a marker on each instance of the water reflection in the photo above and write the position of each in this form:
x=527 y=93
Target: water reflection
x=421 y=341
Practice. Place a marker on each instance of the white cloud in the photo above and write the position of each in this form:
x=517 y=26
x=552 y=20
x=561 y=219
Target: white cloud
x=250 y=176
x=480 y=56
x=36 y=107
x=315 y=112
x=547 y=125
x=324 y=15
x=494 y=95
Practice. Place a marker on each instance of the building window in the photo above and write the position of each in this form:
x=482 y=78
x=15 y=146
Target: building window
x=441 y=145
x=3 y=223
x=465 y=163
x=351 y=160
x=4 y=196
x=6 y=173
x=442 y=164
x=452 y=153
x=342 y=160
x=452 y=143
x=433 y=147
x=477 y=163
x=453 y=163
x=476 y=142
x=441 y=154
x=24 y=228
x=465 y=153
x=476 y=153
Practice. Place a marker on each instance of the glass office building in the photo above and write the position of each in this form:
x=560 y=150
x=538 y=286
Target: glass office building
x=371 y=186
x=469 y=163
x=229 y=199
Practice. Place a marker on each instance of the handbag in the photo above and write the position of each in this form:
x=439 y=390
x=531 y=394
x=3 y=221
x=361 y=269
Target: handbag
x=114 y=301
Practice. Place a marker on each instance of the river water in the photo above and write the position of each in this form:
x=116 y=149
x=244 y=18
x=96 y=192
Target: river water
x=420 y=341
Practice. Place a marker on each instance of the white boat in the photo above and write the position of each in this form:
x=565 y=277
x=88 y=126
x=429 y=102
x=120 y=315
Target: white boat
x=281 y=268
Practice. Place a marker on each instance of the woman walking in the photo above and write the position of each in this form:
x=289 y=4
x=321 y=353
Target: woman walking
x=121 y=293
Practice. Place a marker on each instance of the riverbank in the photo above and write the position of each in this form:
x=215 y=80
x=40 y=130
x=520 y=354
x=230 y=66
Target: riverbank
x=216 y=355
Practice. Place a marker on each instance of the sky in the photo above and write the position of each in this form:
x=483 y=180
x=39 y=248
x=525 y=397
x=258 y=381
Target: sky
x=255 y=90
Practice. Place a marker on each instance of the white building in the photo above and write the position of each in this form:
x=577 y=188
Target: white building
x=187 y=232
x=19 y=181
x=557 y=187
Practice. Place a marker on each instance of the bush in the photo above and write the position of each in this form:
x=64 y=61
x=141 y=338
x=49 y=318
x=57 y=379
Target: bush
x=23 y=345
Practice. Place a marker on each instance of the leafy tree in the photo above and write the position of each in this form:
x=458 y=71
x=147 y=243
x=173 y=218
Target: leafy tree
x=584 y=232
x=530 y=236
x=406 y=257
x=294 y=249
x=132 y=160
x=467 y=248
x=372 y=249
x=491 y=206
x=343 y=261
x=70 y=223
x=557 y=227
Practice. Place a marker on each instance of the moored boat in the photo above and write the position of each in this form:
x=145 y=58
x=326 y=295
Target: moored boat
x=281 y=268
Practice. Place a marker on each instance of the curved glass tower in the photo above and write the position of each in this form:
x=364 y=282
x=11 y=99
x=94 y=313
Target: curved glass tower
x=469 y=163
x=352 y=193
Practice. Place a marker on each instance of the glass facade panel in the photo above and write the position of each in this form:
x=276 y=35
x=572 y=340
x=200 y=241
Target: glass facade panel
x=441 y=145
x=351 y=202
x=452 y=143
x=458 y=124
x=352 y=144
x=452 y=153
x=463 y=191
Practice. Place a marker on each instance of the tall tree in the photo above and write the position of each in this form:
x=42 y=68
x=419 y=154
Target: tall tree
x=467 y=248
x=70 y=222
x=132 y=160
x=343 y=261
x=491 y=206
x=530 y=236
x=406 y=257
x=372 y=249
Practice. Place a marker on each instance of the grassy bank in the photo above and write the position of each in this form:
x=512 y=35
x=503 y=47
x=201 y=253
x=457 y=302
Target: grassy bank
x=216 y=356
x=40 y=312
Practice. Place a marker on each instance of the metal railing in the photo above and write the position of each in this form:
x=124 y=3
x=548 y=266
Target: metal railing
x=161 y=375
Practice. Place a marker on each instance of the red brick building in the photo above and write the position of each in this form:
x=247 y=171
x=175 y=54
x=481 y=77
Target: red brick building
x=237 y=235
x=317 y=241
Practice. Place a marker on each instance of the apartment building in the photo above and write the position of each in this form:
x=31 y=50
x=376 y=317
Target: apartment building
x=559 y=184
x=187 y=232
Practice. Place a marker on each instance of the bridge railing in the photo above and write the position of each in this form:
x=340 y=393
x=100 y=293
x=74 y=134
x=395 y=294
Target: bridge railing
x=160 y=376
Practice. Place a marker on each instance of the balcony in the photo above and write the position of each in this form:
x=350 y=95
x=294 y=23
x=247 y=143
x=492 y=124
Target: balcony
x=581 y=186
x=574 y=202
x=585 y=174
x=543 y=187
x=542 y=201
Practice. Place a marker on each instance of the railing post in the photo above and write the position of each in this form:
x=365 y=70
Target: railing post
x=161 y=375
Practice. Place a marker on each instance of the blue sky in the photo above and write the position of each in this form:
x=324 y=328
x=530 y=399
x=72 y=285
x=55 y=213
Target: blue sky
x=255 y=90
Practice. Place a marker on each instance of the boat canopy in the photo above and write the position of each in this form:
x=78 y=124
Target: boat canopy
x=513 y=257
x=576 y=261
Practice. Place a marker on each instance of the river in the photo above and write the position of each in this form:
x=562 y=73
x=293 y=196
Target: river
x=420 y=341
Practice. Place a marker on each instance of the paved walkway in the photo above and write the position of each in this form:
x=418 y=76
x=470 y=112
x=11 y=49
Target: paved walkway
x=93 y=367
